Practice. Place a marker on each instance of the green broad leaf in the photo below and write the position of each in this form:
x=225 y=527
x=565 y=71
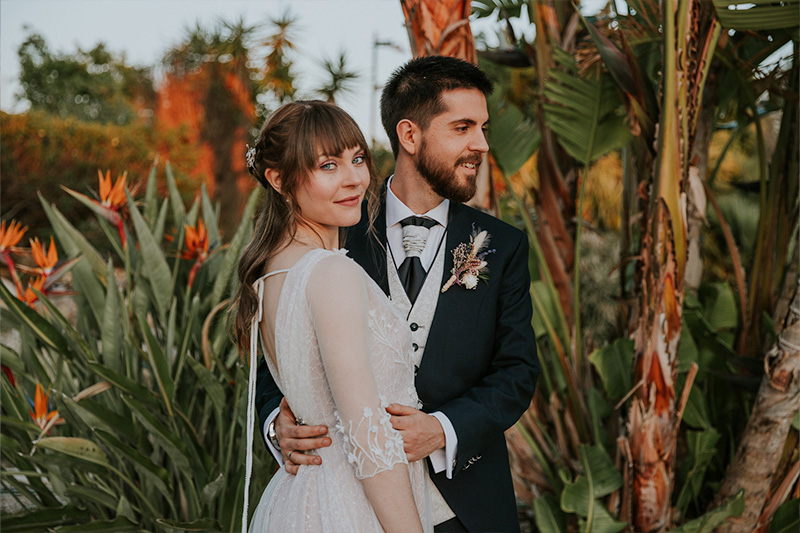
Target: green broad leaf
x=600 y=478
x=24 y=425
x=159 y=365
x=601 y=521
x=755 y=15
x=614 y=363
x=165 y=437
x=124 y=383
x=599 y=410
x=696 y=413
x=158 y=227
x=120 y=524
x=210 y=492
x=86 y=494
x=702 y=449
x=79 y=344
x=78 y=448
x=175 y=200
x=187 y=335
x=97 y=416
x=86 y=273
x=40 y=327
x=204 y=524
x=688 y=352
x=110 y=331
x=169 y=347
x=209 y=218
x=240 y=237
x=513 y=137
x=209 y=383
x=193 y=213
x=43 y=519
x=586 y=114
x=546 y=317
x=714 y=518
x=141 y=301
x=721 y=307
x=72 y=240
x=124 y=509
x=154 y=262
x=151 y=197
x=787 y=518
x=11 y=359
x=548 y=515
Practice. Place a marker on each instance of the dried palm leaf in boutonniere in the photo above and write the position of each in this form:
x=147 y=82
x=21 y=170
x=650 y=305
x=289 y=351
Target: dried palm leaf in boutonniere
x=469 y=263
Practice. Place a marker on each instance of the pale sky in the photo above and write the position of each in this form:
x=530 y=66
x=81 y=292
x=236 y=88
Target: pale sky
x=145 y=29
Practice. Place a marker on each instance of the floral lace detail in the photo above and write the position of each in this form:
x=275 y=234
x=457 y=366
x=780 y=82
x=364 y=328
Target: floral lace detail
x=372 y=448
x=328 y=498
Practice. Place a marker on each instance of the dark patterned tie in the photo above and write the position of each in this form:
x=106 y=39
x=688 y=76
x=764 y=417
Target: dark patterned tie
x=411 y=272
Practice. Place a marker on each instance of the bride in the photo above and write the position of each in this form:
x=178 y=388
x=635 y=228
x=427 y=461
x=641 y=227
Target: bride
x=334 y=344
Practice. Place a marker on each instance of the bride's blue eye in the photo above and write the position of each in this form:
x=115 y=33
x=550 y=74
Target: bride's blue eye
x=359 y=159
x=328 y=166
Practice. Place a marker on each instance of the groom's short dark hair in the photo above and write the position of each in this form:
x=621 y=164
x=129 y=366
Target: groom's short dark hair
x=414 y=91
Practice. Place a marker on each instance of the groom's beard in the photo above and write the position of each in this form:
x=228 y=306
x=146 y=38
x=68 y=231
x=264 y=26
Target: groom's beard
x=442 y=177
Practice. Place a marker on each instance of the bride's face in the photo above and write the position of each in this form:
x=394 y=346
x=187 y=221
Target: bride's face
x=331 y=195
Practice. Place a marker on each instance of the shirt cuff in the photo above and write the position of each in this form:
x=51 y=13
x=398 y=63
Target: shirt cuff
x=443 y=458
x=274 y=451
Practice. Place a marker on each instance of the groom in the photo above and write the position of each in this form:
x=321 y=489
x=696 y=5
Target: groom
x=473 y=346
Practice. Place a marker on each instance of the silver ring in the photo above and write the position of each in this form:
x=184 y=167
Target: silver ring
x=290 y=455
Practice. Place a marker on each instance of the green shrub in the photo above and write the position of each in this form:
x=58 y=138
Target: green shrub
x=146 y=378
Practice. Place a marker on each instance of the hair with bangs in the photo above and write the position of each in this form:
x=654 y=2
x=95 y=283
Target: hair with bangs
x=291 y=141
x=414 y=91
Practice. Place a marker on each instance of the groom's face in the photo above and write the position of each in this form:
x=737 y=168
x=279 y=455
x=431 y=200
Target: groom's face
x=453 y=145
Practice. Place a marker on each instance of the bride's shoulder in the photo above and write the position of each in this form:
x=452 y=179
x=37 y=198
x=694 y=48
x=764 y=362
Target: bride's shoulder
x=335 y=269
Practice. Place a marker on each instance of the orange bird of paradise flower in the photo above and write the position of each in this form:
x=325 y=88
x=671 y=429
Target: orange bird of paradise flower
x=112 y=199
x=112 y=196
x=41 y=414
x=10 y=235
x=29 y=297
x=196 y=247
x=46 y=261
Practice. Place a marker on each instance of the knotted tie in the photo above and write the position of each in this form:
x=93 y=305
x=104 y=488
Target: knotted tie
x=411 y=272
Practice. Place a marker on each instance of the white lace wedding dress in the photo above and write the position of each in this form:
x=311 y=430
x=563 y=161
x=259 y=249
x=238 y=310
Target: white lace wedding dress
x=344 y=380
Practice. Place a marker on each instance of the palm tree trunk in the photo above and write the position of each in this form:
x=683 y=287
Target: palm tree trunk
x=755 y=464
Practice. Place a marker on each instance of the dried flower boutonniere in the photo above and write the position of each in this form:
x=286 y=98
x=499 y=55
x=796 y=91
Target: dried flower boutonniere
x=468 y=261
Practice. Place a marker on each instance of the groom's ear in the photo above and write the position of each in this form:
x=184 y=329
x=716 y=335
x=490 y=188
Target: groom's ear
x=274 y=179
x=409 y=136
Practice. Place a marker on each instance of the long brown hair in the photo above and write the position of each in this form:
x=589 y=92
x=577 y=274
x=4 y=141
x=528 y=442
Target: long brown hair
x=290 y=142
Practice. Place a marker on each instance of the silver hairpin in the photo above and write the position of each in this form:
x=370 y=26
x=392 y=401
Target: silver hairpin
x=251 y=157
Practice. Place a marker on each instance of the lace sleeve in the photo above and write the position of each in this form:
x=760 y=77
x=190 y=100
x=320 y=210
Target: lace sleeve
x=337 y=297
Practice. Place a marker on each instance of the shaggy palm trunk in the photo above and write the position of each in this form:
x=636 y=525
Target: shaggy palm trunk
x=756 y=462
x=690 y=35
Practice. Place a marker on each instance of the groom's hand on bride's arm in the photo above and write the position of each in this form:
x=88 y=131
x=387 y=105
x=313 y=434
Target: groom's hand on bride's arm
x=295 y=440
x=422 y=433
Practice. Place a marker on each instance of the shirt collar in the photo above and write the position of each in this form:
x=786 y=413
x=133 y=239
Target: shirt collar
x=396 y=210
